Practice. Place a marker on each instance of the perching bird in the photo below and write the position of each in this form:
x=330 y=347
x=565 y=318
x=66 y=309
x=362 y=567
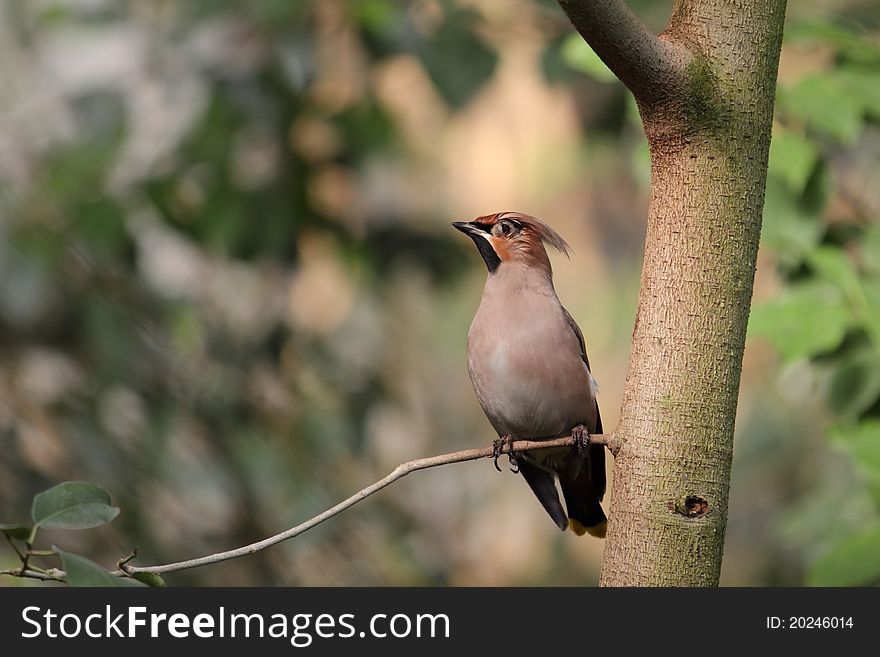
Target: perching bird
x=529 y=368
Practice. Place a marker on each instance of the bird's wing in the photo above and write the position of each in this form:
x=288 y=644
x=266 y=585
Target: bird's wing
x=592 y=514
x=580 y=336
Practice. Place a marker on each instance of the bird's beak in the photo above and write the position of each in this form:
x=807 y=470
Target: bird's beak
x=480 y=236
x=466 y=228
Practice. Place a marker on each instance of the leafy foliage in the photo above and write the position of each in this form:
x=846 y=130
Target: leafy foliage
x=829 y=313
x=70 y=505
x=84 y=572
x=783 y=320
x=15 y=530
x=198 y=245
x=73 y=505
x=853 y=562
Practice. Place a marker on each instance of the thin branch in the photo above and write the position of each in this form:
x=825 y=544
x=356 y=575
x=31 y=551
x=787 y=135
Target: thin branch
x=400 y=471
x=122 y=564
x=14 y=547
x=49 y=575
x=650 y=66
x=41 y=553
x=29 y=545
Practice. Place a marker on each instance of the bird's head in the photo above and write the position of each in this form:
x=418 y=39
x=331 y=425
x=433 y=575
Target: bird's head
x=512 y=237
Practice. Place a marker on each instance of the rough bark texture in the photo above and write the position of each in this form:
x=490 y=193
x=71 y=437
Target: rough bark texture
x=709 y=135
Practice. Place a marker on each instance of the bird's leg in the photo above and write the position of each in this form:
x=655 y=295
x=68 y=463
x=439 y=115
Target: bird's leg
x=581 y=439
x=498 y=446
x=511 y=456
x=498 y=449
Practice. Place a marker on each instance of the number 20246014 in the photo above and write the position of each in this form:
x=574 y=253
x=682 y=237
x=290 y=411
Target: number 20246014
x=809 y=622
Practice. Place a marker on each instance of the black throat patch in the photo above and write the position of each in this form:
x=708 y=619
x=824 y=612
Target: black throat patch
x=489 y=256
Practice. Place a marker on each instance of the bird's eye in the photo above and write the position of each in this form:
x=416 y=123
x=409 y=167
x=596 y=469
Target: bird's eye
x=502 y=229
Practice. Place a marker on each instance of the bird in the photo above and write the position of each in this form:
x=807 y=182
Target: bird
x=528 y=364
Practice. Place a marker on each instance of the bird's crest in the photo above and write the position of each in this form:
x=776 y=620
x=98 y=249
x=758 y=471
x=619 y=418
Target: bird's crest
x=542 y=230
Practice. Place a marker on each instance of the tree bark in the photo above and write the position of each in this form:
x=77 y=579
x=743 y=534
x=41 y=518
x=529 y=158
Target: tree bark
x=707 y=108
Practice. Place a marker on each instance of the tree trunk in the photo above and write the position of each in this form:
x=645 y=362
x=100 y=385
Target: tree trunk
x=706 y=101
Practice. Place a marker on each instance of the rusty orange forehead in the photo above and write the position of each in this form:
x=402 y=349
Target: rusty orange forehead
x=488 y=219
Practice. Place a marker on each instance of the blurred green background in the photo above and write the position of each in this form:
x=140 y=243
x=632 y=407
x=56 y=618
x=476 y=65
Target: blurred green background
x=229 y=292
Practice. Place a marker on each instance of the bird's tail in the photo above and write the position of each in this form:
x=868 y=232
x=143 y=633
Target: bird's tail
x=583 y=493
x=543 y=485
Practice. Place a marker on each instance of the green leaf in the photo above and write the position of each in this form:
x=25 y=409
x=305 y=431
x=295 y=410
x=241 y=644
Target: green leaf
x=805 y=320
x=374 y=15
x=123 y=582
x=863 y=85
x=85 y=572
x=855 y=561
x=864 y=446
x=862 y=441
x=826 y=106
x=100 y=226
x=150 y=579
x=870 y=250
x=16 y=530
x=73 y=505
x=792 y=159
x=578 y=55
x=835 y=266
x=855 y=383
x=789 y=229
x=456 y=58
x=871 y=289
x=855 y=46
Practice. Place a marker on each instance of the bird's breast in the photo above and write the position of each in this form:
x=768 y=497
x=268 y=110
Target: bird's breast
x=528 y=375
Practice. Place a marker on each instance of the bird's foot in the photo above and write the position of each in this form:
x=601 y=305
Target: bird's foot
x=581 y=439
x=498 y=449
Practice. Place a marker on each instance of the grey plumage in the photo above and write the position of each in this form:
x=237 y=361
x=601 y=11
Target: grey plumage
x=529 y=368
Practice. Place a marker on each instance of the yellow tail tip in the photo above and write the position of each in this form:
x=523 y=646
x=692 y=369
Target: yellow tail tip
x=576 y=527
x=596 y=530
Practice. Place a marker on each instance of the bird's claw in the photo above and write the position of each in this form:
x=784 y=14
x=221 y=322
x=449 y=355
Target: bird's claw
x=581 y=439
x=497 y=449
x=498 y=446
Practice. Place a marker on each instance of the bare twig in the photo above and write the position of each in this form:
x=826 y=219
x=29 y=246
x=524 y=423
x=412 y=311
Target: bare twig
x=122 y=564
x=400 y=471
x=53 y=575
x=125 y=569
x=14 y=546
x=29 y=545
x=647 y=64
x=41 y=553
